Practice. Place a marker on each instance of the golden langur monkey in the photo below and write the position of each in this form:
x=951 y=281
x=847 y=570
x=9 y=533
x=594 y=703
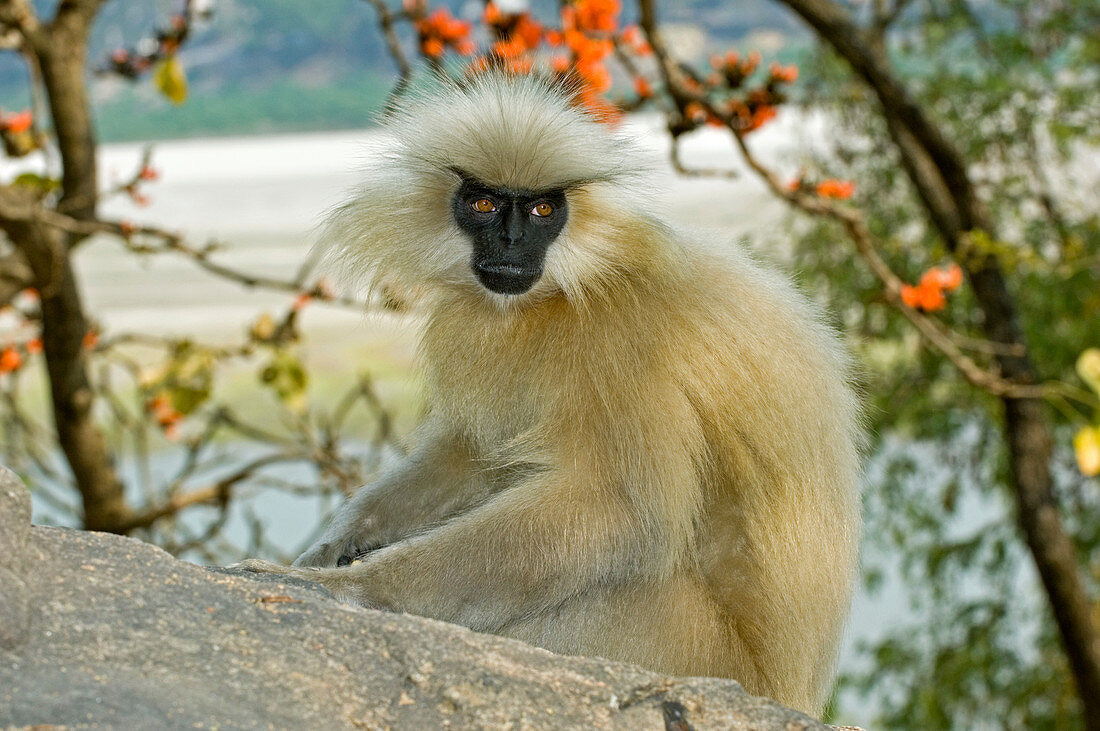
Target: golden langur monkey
x=636 y=446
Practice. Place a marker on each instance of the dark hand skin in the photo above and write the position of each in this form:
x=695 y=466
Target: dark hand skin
x=511 y=231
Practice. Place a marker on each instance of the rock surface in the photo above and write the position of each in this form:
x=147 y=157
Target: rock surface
x=102 y=631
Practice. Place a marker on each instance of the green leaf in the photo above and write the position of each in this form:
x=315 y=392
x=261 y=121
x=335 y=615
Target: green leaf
x=286 y=376
x=170 y=78
x=38 y=183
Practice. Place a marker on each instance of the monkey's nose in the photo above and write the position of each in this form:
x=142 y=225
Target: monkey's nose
x=510 y=240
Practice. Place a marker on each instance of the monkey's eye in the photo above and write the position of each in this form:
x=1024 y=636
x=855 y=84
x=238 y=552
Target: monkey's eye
x=483 y=205
x=542 y=210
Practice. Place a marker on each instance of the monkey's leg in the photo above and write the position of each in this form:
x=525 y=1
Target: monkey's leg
x=433 y=483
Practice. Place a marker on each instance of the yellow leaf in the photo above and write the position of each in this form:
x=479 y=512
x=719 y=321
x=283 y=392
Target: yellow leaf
x=1086 y=444
x=263 y=328
x=171 y=79
x=1088 y=367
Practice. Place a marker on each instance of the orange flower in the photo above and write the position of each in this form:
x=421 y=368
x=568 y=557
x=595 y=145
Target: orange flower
x=90 y=339
x=511 y=48
x=519 y=66
x=597 y=15
x=148 y=173
x=785 y=74
x=166 y=415
x=594 y=74
x=479 y=65
x=301 y=301
x=947 y=278
x=839 y=189
x=127 y=228
x=731 y=59
x=751 y=63
x=139 y=198
x=760 y=116
x=10 y=360
x=528 y=30
x=695 y=112
x=19 y=122
x=923 y=297
x=432 y=47
x=929 y=294
x=440 y=30
x=642 y=87
x=492 y=15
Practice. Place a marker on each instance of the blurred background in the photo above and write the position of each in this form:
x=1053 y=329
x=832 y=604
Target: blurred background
x=175 y=364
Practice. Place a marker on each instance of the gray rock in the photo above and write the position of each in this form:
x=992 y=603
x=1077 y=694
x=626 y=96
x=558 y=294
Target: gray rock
x=15 y=520
x=125 y=636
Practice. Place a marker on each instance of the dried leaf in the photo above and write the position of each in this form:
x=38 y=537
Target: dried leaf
x=170 y=78
x=1086 y=445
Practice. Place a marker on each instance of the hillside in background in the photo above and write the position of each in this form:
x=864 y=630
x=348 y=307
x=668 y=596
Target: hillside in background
x=284 y=65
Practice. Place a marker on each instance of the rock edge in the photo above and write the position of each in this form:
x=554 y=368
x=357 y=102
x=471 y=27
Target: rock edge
x=98 y=630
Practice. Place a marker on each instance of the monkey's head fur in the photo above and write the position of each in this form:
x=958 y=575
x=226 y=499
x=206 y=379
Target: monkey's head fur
x=485 y=185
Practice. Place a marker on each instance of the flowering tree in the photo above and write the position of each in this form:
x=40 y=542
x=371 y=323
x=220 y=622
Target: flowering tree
x=990 y=347
x=132 y=391
x=966 y=285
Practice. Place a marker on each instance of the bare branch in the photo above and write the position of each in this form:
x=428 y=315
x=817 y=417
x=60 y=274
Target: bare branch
x=386 y=21
x=679 y=167
x=217 y=493
x=15 y=275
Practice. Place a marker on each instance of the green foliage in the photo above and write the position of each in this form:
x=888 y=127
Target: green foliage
x=1016 y=88
x=977 y=647
x=186 y=378
x=42 y=186
x=286 y=376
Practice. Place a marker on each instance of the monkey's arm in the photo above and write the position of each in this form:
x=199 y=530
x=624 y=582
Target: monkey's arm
x=552 y=535
x=428 y=486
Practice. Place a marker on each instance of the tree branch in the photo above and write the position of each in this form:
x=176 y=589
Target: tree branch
x=218 y=493
x=386 y=21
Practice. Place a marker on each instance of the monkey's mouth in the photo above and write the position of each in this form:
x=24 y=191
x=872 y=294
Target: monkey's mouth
x=506 y=278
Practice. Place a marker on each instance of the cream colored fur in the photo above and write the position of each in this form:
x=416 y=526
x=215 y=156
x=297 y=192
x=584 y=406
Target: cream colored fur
x=652 y=456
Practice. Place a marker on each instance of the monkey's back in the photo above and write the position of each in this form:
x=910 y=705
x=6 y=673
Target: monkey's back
x=771 y=384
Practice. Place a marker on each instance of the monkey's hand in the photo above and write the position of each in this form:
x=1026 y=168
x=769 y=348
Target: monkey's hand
x=259 y=566
x=345 y=584
x=339 y=546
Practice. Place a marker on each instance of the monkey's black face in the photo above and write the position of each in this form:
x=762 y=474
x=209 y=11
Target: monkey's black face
x=511 y=231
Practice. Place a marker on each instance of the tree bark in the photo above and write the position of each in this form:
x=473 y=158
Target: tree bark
x=63 y=331
x=60 y=49
x=938 y=171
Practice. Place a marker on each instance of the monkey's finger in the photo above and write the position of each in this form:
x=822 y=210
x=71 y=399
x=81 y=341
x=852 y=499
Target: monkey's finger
x=260 y=566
